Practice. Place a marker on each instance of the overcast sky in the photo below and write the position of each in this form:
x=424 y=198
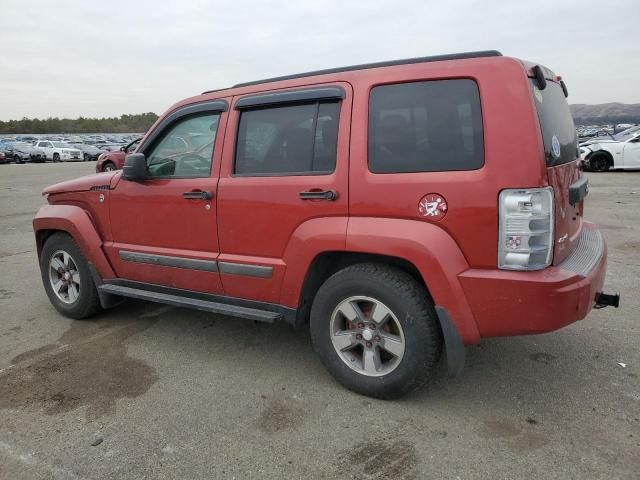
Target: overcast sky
x=105 y=58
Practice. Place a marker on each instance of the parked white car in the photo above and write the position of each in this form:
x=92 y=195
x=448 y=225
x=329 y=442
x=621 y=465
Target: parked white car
x=58 y=151
x=617 y=152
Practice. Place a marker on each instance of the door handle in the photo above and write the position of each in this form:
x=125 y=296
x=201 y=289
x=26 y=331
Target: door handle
x=329 y=195
x=197 y=195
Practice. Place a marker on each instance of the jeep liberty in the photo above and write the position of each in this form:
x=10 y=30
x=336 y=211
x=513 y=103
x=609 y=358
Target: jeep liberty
x=398 y=210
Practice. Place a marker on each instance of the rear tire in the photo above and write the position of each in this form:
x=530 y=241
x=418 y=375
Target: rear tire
x=395 y=341
x=56 y=157
x=85 y=157
x=67 y=279
x=599 y=163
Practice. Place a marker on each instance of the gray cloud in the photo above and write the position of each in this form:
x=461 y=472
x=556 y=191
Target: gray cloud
x=71 y=58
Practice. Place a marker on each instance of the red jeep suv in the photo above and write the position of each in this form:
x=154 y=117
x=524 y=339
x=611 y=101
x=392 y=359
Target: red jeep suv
x=396 y=209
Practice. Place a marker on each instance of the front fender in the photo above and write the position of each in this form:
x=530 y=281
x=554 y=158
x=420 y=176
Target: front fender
x=431 y=250
x=77 y=223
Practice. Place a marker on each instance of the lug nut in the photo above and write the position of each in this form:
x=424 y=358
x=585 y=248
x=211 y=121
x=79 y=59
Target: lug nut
x=361 y=325
x=359 y=337
x=369 y=344
x=376 y=338
x=372 y=326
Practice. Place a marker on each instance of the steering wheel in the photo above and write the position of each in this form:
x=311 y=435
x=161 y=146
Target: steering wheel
x=192 y=163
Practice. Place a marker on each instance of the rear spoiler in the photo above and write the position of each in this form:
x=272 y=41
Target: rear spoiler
x=541 y=74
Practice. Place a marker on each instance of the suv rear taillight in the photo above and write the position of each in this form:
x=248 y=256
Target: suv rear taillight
x=526 y=229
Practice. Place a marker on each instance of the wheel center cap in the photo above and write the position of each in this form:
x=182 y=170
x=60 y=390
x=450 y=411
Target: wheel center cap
x=67 y=276
x=367 y=334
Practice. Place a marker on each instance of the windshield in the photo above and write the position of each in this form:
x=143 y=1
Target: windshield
x=558 y=130
x=626 y=134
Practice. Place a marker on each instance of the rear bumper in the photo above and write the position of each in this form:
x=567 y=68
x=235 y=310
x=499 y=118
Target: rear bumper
x=516 y=303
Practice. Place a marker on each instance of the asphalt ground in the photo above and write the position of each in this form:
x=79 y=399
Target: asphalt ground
x=147 y=391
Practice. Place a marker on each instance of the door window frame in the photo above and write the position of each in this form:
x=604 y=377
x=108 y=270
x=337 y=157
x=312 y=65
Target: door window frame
x=286 y=98
x=218 y=106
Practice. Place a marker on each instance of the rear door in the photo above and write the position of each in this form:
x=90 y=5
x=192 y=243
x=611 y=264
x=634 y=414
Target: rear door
x=285 y=164
x=560 y=141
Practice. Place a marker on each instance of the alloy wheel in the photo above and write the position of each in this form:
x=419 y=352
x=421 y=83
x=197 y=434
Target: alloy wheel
x=599 y=164
x=367 y=336
x=64 y=277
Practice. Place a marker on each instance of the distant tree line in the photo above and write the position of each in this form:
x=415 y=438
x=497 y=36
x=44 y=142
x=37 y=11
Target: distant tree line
x=122 y=124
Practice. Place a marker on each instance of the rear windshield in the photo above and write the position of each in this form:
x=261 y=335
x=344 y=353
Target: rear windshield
x=558 y=130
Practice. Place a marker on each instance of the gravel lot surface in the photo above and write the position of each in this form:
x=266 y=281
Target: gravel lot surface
x=147 y=391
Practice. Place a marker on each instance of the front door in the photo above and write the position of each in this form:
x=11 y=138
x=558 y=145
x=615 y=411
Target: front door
x=284 y=171
x=632 y=153
x=164 y=228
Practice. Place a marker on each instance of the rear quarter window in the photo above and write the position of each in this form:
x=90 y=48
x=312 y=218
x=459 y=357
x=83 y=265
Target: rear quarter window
x=556 y=124
x=429 y=126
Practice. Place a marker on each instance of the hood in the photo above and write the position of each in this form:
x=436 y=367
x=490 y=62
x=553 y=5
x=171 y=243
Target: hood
x=594 y=141
x=97 y=181
x=115 y=154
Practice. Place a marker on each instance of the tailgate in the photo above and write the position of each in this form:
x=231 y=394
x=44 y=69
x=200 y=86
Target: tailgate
x=569 y=189
x=561 y=157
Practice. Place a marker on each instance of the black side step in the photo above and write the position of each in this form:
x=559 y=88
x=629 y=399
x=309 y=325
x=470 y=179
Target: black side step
x=195 y=303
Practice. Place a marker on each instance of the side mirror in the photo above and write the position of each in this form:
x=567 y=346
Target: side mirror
x=135 y=167
x=123 y=149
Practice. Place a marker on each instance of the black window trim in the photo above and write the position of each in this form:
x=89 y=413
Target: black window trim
x=305 y=95
x=422 y=80
x=310 y=101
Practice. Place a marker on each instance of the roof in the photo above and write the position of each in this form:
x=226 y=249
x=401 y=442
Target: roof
x=364 y=66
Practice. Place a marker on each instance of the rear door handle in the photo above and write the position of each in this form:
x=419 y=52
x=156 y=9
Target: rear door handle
x=329 y=195
x=197 y=195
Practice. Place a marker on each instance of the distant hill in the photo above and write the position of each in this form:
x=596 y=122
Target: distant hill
x=606 y=113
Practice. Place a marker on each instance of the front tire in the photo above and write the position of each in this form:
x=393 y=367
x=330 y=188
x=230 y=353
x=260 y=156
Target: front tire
x=56 y=157
x=376 y=330
x=599 y=163
x=108 y=167
x=85 y=157
x=67 y=279
x=17 y=159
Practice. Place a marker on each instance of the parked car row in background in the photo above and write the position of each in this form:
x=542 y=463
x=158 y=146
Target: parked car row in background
x=30 y=148
x=600 y=151
x=590 y=131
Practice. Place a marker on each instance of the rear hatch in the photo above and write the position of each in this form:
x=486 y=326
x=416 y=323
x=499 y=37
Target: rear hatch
x=562 y=162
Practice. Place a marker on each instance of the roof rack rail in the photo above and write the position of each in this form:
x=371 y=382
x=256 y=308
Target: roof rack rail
x=215 y=90
x=406 y=61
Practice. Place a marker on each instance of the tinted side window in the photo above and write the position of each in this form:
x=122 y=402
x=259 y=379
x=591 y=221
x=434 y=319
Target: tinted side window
x=185 y=150
x=429 y=126
x=289 y=139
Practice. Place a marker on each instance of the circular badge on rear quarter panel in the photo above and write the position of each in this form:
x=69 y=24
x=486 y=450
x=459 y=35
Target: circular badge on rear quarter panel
x=433 y=206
